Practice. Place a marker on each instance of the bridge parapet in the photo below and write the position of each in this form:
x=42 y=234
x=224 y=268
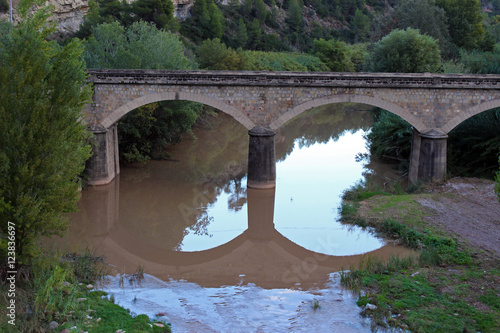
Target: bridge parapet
x=303 y=79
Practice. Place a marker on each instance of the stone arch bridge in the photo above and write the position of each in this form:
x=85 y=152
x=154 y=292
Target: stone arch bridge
x=263 y=101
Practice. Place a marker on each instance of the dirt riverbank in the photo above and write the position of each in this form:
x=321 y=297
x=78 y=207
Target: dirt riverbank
x=454 y=285
x=463 y=207
x=467 y=207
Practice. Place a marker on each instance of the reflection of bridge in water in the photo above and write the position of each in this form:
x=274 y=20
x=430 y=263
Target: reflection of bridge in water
x=260 y=255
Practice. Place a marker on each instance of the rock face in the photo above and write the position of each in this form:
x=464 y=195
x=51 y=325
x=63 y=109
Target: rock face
x=181 y=8
x=69 y=13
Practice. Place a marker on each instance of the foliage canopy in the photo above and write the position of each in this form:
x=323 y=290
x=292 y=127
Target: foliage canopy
x=423 y=15
x=140 y=45
x=404 y=51
x=42 y=137
x=145 y=132
x=464 y=20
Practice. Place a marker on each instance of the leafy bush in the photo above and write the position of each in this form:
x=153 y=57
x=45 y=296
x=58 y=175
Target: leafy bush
x=334 y=53
x=4 y=6
x=404 y=51
x=423 y=15
x=215 y=55
x=86 y=266
x=282 y=61
x=481 y=62
x=145 y=132
x=390 y=139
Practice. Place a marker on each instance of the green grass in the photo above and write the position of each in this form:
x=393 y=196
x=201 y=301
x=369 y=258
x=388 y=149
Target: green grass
x=102 y=315
x=410 y=296
x=56 y=288
x=447 y=289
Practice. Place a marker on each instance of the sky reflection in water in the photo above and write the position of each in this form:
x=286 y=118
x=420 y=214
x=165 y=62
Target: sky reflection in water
x=308 y=187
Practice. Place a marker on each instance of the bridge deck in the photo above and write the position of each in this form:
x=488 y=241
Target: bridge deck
x=280 y=79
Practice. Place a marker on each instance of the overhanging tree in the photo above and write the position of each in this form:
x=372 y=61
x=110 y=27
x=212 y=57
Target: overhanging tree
x=42 y=138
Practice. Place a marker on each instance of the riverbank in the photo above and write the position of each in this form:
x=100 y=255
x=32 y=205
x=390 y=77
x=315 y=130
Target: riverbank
x=57 y=292
x=453 y=286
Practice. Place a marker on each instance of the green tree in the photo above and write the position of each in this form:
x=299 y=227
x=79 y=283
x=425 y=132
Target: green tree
x=141 y=45
x=160 y=12
x=145 y=132
x=404 y=51
x=254 y=9
x=481 y=62
x=42 y=136
x=272 y=17
x=104 y=11
x=4 y=6
x=464 y=20
x=197 y=27
x=216 y=28
x=262 y=12
x=295 y=17
x=200 y=11
x=334 y=54
x=423 y=15
x=215 y=55
x=242 y=35
x=254 y=34
x=360 y=25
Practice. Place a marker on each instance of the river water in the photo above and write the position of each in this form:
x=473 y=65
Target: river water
x=219 y=257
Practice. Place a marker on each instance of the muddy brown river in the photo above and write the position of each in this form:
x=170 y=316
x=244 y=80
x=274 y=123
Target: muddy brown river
x=219 y=257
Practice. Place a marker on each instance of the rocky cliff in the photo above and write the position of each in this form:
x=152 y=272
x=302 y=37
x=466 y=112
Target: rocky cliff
x=69 y=13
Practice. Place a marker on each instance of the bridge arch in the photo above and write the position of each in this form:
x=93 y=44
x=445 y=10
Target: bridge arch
x=121 y=111
x=470 y=112
x=349 y=98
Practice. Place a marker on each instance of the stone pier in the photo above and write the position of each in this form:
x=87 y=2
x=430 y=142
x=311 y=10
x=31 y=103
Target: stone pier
x=261 y=159
x=428 y=156
x=104 y=165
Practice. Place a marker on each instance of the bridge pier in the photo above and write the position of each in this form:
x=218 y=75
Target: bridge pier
x=261 y=159
x=103 y=166
x=428 y=156
x=260 y=205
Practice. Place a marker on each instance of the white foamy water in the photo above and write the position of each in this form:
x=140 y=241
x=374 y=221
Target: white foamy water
x=241 y=308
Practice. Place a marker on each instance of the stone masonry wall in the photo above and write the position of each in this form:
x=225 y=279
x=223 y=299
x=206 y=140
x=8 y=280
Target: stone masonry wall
x=271 y=106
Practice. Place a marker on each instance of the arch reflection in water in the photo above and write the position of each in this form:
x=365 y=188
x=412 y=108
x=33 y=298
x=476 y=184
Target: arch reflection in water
x=259 y=255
